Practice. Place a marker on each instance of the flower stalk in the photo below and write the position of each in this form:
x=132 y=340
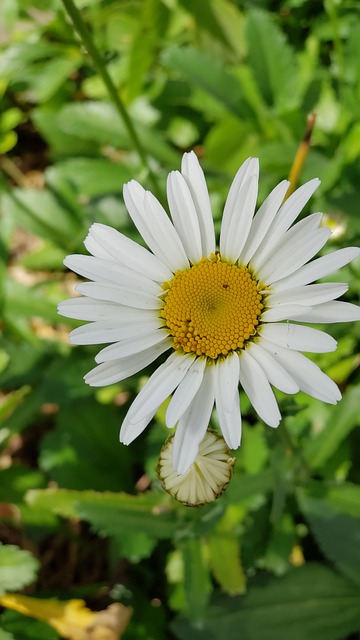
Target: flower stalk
x=90 y=46
x=301 y=155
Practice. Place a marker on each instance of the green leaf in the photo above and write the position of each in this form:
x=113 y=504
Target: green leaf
x=231 y=20
x=83 y=451
x=203 y=12
x=309 y=603
x=47 y=257
x=8 y=141
x=121 y=513
x=344 y=497
x=25 y=363
x=4 y=635
x=343 y=419
x=99 y=122
x=277 y=557
x=95 y=121
x=22 y=627
x=223 y=151
x=197 y=583
x=224 y=549
x=9 y=119
x=94 y=176
x=110 y=513
x=47 y=120
x=63 y=383
x=272 y=61
x=136 y=546
x=16 y=57
x=350 y=93
x=12 y=400
x=18 y=568
x=17 y=480
x=140 y=60
x=254 y=450
x=41 y=213
x=242 y=487
x=204 y=71
x=22 y=300
x=337 y=533
x=47 y=78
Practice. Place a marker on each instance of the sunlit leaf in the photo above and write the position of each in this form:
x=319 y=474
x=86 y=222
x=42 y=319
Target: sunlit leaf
x=94 y=176
x=18 y=567
x=225 y=561
x=204 y=71
x=272 y=60
x=110 y=513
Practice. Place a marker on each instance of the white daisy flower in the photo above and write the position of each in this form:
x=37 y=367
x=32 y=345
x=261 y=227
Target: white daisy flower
x=226 y=315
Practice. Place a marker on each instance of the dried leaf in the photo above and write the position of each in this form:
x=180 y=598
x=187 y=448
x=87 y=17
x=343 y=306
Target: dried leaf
x=71 y=618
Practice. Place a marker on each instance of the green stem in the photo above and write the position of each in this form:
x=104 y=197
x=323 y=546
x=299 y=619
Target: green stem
x=98 y=62
x=287 y=441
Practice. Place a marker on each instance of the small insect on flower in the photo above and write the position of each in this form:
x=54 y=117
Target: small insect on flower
x=228 y=313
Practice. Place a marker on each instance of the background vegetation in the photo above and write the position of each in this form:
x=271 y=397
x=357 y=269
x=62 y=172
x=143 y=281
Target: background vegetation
x=278 y=555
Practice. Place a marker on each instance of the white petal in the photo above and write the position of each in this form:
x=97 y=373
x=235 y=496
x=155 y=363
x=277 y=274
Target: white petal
x=86 y=309
x=96 y=249
x=298 y=235
x=318 y=268
x=134 y=429
x=131 y=345
x=194 y=176
x=333 y=312
x=121 y=295
x=275 y=373
x=128 y=252
x=293 y=255
x=294 y=336
x=112 y=330
x=116 y=370
x=249 y=168
x=168 y=239
x=156 y=228
x=193 y=424
x=185 y=392
x=310 y=294
x=306 y=373
x=295 y=204
x=227 y=399
x=159 y=386
x=184 y=215
x=106 y=271
x=284 y=312
x=286 y=216
x=262 y=221
x=257 y=388
x=227 y=380
x=234 y=235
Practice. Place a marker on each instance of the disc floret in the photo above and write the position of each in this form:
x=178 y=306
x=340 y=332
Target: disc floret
x=213 y=308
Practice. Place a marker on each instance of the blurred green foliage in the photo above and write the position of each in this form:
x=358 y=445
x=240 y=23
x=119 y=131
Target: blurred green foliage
x=278 y=555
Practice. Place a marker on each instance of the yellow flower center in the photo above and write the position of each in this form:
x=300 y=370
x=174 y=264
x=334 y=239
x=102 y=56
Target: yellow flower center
x=212 y=308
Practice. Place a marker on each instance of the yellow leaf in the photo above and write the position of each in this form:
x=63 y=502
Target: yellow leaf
x=71 y=618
